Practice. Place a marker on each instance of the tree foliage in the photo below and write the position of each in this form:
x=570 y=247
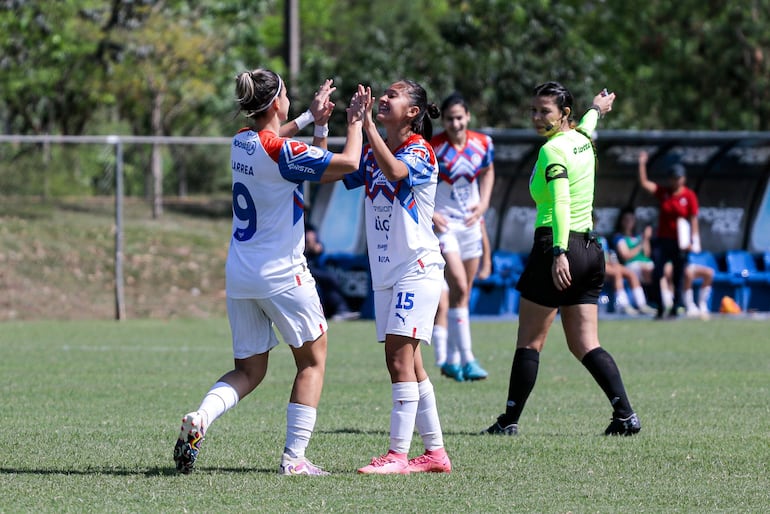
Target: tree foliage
x=167 y=66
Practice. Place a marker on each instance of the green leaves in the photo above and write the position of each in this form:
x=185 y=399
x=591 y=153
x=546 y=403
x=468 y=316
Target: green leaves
x=88 y=67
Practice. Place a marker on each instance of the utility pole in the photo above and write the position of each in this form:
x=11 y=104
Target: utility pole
x=291 y=38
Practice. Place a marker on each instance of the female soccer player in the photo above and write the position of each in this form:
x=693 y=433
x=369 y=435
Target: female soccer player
x=466 y=177
x=400 y=174
x=565 y=269
x=267 y=278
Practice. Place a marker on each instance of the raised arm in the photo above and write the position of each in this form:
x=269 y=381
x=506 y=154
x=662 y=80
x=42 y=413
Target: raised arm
x=602 y=104
x=646 y=183
x=393 y=169
x=347 y=162
x=320 y=111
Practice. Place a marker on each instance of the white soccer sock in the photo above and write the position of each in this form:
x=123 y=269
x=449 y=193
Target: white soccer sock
x=459 y=324
x=639 y=297
x=689 y=300
x=668 y=298
x=300 y=421
x=428 y=424
x=704 y=295
x=220 y=398
x=439 y=342
x=621 y=298
x=406 y=396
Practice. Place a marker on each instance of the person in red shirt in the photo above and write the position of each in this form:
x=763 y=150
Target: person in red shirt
x=678 y=231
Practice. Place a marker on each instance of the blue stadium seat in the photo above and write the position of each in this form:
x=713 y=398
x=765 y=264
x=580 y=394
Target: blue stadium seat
x=757 y=295
x=497 y=293
x=760 y=284
x=354 y=278
x=725 y=283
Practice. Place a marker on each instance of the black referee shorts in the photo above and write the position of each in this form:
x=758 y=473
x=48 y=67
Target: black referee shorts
x=586 y=265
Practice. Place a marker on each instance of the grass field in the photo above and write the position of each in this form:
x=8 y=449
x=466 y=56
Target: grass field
x=90 y=412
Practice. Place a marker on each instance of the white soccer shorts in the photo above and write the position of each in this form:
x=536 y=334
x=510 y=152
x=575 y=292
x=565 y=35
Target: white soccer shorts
x=296 y=313
x=461 y=239
x=409 y=307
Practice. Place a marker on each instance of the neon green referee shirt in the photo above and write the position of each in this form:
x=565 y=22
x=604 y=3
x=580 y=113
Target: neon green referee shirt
x=562 y=181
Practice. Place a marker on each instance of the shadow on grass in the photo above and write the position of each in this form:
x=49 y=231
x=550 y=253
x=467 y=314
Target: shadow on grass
x=150 y=472
x=359 y=431
x=354 y=431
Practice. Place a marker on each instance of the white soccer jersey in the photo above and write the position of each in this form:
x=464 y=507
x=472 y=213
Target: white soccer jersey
x=267 y=247
x=458 y=187
x=399 y=215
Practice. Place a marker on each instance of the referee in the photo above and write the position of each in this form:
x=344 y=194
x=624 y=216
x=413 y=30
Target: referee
x=565 y=269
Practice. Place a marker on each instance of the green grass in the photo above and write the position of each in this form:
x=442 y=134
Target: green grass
x=90 y=412
x=57 y=260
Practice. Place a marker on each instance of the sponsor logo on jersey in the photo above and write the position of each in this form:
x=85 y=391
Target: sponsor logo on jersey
x=248 y=146
x=580 y=149
x=295 y=149
x=381 y=224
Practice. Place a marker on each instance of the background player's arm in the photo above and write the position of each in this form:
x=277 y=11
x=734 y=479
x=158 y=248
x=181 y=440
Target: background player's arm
x=485 y=265
x=646 y=183
x=486 y=183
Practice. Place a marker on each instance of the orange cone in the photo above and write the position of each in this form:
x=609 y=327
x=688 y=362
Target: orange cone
x=729 y=306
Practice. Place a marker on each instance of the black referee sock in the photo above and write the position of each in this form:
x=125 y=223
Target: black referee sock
x=523 y=375
x=602 y=367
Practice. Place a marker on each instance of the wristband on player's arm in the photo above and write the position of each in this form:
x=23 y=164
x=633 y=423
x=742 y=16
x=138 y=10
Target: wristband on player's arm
x=321 y=131
x=304 y=119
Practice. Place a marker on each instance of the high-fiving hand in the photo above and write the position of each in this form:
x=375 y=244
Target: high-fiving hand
x=322 y=107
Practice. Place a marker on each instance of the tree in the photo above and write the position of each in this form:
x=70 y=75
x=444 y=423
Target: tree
x=687 y=65
x=49 y=72
x=162 y=70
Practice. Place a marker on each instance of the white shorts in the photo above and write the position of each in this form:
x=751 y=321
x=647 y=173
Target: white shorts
x=409 y=307
x=461 y=239
x=639 y=267
x=297 y=313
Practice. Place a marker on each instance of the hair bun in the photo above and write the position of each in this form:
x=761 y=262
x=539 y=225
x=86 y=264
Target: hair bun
x=433 y=111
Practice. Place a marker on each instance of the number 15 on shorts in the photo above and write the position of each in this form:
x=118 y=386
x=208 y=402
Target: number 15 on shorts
x=404 y=300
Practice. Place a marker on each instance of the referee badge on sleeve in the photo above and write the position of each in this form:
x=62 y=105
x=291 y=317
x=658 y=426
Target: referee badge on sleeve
x=554 y=171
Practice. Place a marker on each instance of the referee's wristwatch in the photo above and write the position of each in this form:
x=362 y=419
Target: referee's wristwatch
x=558 y=250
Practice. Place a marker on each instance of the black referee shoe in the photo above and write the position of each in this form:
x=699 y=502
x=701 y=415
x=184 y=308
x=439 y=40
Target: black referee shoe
x=499 y=429
x=624 y=426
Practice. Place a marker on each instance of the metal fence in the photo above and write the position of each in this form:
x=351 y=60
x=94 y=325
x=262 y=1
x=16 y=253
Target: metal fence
x=729 y=171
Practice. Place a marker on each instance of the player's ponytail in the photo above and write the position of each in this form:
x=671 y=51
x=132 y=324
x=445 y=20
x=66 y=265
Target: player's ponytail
x=255 y=91
x=421 y=124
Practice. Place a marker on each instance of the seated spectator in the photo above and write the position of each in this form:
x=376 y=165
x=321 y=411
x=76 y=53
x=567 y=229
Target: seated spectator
x=634 y=251
x=617 y=274
x=333 y=301
x=693 y=272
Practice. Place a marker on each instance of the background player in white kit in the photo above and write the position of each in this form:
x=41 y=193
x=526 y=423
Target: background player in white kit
x=400 y=175
x=267 y=278
x=466 y=178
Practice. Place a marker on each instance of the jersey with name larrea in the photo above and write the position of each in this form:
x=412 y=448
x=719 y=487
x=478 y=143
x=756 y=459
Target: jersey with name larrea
x=459 y=170
x=562 y=181
x=268 y=241
x=399 y=215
